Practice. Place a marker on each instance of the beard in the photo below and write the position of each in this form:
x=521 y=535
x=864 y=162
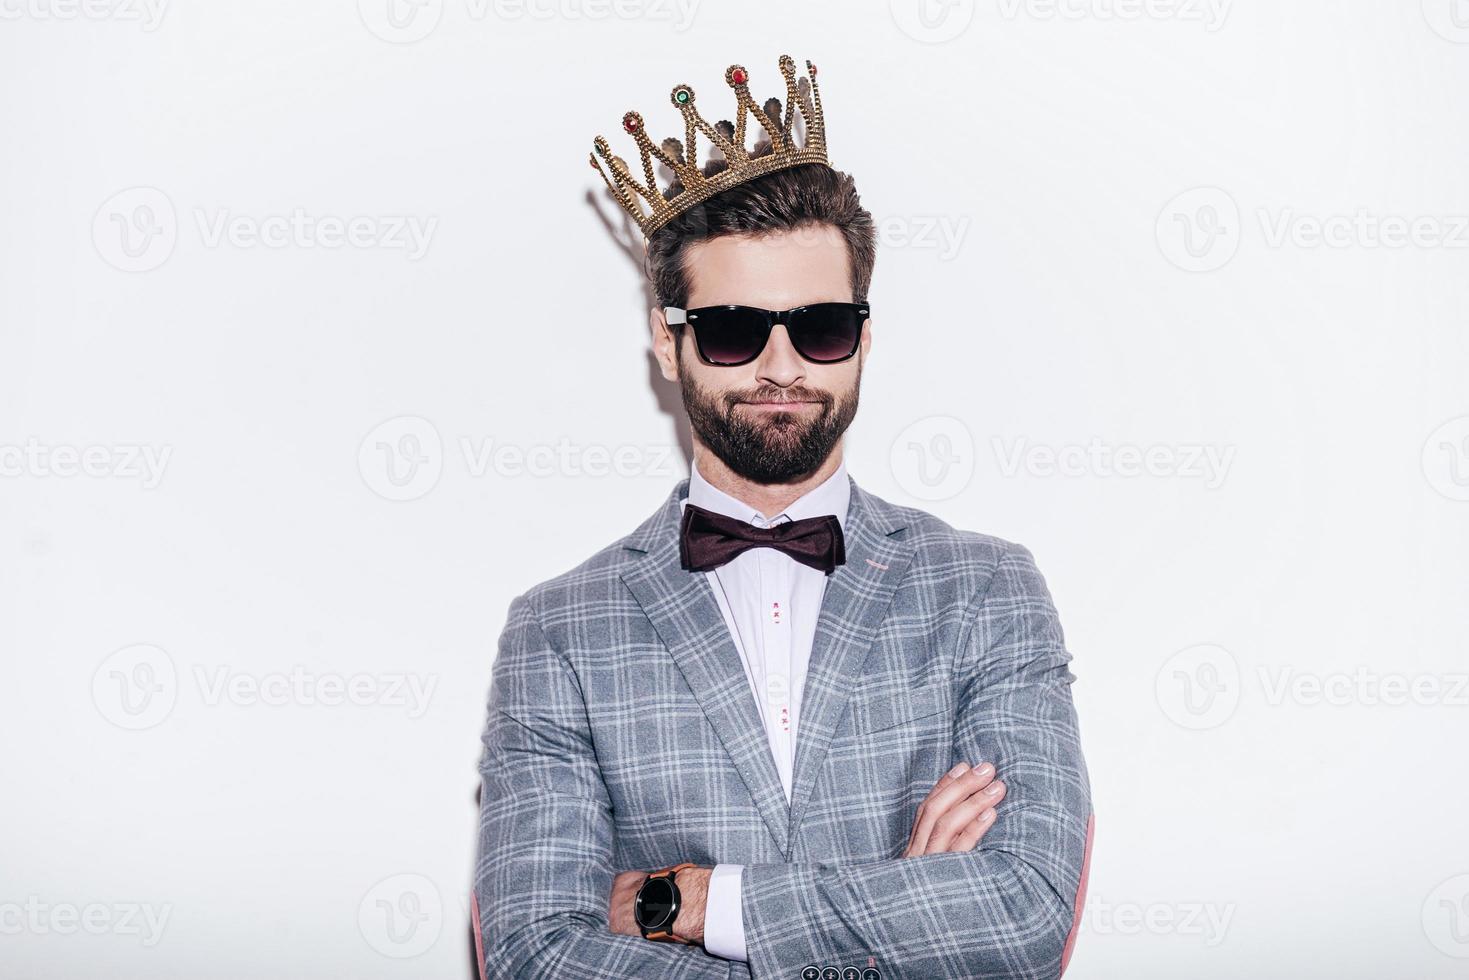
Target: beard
x=770 y=447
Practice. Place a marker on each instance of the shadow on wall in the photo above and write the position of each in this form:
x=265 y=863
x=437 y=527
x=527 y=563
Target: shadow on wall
x=623 y=230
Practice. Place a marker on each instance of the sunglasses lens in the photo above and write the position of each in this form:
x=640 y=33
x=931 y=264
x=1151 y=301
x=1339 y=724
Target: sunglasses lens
x=729 y=336
x=827 y=331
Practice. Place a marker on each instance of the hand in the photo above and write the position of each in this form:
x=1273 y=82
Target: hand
x=957 y=811
x=693 y=892
x=620 y=904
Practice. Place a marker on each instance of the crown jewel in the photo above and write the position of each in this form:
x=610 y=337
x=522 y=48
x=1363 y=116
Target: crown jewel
x=729 y=163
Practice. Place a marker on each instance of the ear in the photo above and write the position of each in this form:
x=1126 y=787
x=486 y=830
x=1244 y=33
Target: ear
x=866 y=341
x=665 y=347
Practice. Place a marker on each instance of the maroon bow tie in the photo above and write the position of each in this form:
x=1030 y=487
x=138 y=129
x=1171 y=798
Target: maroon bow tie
x=707 y=540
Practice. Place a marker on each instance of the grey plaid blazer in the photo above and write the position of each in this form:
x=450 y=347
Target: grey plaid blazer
x=622 y=733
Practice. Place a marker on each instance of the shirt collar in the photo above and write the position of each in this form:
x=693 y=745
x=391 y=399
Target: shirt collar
x=831 y=496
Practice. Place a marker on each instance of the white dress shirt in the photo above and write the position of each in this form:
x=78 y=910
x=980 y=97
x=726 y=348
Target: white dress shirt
x=770 y=603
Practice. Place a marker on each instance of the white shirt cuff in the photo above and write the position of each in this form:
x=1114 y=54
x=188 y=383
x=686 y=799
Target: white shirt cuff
x=724 y=917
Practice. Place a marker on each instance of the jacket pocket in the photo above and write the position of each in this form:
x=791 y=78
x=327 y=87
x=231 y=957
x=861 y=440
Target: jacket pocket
x=881 y=712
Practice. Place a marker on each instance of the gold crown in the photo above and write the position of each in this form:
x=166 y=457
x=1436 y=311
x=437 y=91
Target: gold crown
x=691 y=184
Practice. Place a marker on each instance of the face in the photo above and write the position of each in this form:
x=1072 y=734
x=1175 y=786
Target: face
x=778 y=418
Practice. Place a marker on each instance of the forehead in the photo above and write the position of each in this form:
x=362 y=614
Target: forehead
x=776 y=270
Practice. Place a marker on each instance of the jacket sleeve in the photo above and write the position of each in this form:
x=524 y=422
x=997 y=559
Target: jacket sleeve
x=1008 y=908
x=544 y=869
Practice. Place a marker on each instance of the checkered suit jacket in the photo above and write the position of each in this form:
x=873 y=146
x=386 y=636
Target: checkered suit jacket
x=622 y=733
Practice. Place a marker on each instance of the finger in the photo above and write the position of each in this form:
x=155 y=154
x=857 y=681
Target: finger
x=961 y=814
x=944 y=780
x=973 y=831
x=944 y=797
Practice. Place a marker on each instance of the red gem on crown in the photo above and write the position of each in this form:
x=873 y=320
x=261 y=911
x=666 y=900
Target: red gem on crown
x=630 y=123
x=738 y=76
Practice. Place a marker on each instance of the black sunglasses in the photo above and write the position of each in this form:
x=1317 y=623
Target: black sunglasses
x=824 y=333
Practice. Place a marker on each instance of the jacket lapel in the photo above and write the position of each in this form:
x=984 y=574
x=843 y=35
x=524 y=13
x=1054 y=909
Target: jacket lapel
x=686 y=616
x=858 y=594
x=683 y=610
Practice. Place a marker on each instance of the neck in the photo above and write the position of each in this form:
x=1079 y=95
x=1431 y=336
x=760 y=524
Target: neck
x=768 y=498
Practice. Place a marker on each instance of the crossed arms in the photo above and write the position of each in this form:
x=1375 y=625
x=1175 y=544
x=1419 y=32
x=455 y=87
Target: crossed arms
x=1006 y=909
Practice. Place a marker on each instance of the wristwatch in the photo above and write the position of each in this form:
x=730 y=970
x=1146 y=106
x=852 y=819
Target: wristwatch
x=657 y=905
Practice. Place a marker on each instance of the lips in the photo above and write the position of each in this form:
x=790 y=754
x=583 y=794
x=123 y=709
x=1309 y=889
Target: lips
x=776 y=406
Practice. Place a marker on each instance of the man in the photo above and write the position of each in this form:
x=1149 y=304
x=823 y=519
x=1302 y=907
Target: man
x=784 y=728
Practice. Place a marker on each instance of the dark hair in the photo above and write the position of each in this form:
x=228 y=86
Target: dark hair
x=800 y=196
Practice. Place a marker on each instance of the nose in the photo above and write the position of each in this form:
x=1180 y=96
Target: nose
x=779 y=363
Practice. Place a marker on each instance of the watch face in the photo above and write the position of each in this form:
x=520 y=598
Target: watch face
x=654 y=906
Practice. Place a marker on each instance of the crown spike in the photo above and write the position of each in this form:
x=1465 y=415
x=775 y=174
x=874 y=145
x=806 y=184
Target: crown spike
x=817 y=136
x=773 y=125
x=629 y=203
x=738 y=78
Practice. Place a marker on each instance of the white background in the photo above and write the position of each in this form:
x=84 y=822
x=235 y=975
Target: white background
x=1233 y=232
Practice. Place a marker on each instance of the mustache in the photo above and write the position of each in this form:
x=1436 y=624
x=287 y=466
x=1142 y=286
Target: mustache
x=732 y=399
